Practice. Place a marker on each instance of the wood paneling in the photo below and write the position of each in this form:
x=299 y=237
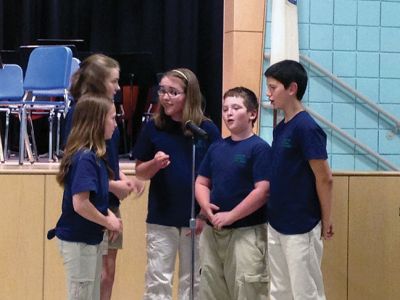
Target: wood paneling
x=334 y=262
x=374 y=238
x=21 y=238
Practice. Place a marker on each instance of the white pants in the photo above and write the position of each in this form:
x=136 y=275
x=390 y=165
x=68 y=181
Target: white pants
x=83 y=265
x=163 y=243
x=295 y=265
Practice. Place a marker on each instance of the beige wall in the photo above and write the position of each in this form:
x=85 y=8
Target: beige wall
x=361 y=262
x=243 y=45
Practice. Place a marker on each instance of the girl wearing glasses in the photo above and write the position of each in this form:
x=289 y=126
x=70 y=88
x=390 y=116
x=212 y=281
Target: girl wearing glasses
x=163 y=154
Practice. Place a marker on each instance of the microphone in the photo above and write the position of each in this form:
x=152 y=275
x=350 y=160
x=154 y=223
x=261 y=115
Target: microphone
x=196 y=130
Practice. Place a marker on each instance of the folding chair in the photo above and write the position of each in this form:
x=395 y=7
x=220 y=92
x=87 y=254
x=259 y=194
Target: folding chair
x=11 y=93
x=47 y=77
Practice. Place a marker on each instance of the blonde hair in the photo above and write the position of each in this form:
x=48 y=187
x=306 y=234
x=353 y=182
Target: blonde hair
x=87 y=132
x=192 y=108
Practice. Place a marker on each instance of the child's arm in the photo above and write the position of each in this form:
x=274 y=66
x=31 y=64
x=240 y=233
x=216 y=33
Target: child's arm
x=136 y=185
x=324 y=183
x=146 y=170
x=120 y=188
x=86 y=209
x=202 y=192
x=254 y=200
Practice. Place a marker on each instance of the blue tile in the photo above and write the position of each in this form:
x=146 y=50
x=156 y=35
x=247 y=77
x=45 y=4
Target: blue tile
x=389 y=67
x=368 y=64
x=344 y=38
x=344 y=115
x=266 y=117
x=390 y=38
x=320 y=89
x=341 y=94
x=366 y=117
x=345 y=12
x=340 y=145
x=392 y=108
x=368 y=137
x=321 y=37
x=369 y=87
x=303 y=11
x=390 y=14
x=304 y=36
x=394 y=159
x=266 y=134
x=389 y=143
x=322 y=109
x=389 y=90
x=321 y=12
x=268 y=36
x=364 y=162
x=269 y=10
x=342 y=162
x=344 y=64
x=368 y=38
x=369 y=13
x=394 y=111
x=322 y=58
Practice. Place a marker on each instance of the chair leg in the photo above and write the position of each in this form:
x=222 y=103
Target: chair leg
x=58 y=134
x=51 y=116
x=23 y=138
x=33 y=137
x=1 y=150
x=6 y=156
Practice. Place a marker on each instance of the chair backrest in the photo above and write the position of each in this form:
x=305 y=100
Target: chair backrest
x=48 y=68
x=11 y=82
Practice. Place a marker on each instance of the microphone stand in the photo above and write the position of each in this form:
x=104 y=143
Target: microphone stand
x=192 y=221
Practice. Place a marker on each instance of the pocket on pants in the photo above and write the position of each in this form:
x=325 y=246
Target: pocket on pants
x=255 y=287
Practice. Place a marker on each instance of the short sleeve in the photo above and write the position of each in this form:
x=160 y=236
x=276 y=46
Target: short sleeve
x=85 y=174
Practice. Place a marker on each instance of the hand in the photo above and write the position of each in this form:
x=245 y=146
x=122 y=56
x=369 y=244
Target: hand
x=113 y=235
x=121 y=188
x=210 y=211
x=138 y=186
x=222 y=219
x=113 y=223
x=161 y=160
x=199 y=226
x=327 y=231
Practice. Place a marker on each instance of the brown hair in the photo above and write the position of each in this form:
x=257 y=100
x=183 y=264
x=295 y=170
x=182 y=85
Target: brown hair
x=92 y=75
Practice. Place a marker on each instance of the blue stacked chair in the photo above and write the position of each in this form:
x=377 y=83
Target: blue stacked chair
x=11 y=93
x=46 y=85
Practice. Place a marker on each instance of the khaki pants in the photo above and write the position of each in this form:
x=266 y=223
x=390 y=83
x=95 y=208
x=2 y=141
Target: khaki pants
x=83 y=265
x=295 y=265
x=163 y=244
x=234 y=263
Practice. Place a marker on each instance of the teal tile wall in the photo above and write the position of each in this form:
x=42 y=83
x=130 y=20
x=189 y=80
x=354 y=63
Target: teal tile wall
x=359 y=42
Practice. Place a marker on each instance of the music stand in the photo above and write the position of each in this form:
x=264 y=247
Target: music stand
x=79 y=44
x=137 y=68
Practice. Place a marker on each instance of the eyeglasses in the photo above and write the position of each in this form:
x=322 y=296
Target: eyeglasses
x=172 y=93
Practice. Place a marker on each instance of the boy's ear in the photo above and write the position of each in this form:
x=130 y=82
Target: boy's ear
x=293 y=88
x=253 y=115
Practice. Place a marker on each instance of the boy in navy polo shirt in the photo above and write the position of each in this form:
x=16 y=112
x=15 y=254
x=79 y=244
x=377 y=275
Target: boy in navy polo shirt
x=232 y=191
x=299 y=207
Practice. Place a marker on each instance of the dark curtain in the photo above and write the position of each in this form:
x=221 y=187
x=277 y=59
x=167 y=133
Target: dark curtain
x=178 y=33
